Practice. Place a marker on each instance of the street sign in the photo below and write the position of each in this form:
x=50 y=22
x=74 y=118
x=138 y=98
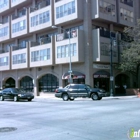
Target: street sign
x=70 y=71
x=111 y=78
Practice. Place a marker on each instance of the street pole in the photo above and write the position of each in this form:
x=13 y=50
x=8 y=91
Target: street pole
x=111 y=68
x=70 y=71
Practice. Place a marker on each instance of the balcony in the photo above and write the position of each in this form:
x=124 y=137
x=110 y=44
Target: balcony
x=20 y=57
x=101 y=46
x=62 y=42
x=4 y=32
x=40 y=18
x=3 y=51
x=5 y=5
x=66 y=11
x=103 y=10
x=127 y=2
x=19 y=26
x=16 y=2
x=41 y=53
x=39 y=6
x=126 y=15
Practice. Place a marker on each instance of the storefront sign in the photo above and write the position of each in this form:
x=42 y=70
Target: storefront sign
x=99 y=66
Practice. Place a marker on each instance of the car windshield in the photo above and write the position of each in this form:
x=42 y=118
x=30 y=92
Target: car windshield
x=67 y=86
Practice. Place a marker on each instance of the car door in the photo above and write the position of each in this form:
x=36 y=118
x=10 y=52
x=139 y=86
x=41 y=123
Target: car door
x=73 y=90
x=82 y=91
x=6 y=93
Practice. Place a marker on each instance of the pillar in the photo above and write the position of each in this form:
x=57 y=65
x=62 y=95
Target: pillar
x=61 y=84
x=88 y=50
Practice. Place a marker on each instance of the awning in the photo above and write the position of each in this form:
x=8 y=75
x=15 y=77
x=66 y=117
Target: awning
x=101 y=74
x=76 y=75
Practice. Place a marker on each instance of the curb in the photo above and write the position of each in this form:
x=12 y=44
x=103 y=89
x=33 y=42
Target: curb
x=52 y=96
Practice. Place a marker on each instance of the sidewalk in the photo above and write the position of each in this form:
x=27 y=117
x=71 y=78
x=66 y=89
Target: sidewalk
x=51 y=95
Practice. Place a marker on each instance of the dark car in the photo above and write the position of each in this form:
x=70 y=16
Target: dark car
x=16 y=94
x=72 y=91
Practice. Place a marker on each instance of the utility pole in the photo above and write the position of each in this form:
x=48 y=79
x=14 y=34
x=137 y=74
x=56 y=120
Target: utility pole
x=111 y=68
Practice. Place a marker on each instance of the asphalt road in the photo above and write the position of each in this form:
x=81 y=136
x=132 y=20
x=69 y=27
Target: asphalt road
x=82 y=119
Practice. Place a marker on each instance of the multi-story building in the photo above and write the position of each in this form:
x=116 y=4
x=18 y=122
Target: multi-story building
x=36 y=57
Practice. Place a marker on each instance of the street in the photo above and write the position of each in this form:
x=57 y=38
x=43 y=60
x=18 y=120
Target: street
x=81 y=119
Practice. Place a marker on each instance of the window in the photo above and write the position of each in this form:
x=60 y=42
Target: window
x=107 y=8
x=19 y=58
x=40 y=55
x=19 y=26
x=65 y=9
x=40 y=19
x=63 y=51
x=3 y=3
x=4 y=61
x=4 y=31
x=126 y=15
x=74 y=87
x=81 y=86
x=105 y=49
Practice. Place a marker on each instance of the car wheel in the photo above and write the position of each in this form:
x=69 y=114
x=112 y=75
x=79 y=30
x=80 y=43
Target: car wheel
x=71 y=99
x=1 y=98
x=15 y=98
x=65 y=97
x=29 y=100
x=94 y=96
x=99 y=98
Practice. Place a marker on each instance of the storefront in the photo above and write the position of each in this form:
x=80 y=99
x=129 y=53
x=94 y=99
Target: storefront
x=78 y=78
x=48 y=83
x=10 y=82
x=101 y=79
x=27 y=83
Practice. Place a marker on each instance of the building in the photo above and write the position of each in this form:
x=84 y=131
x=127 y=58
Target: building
x=34 y=56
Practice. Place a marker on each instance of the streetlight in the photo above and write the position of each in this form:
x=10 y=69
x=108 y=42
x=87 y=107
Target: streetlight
x=70 y=70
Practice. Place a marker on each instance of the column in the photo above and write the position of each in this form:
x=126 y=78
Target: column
x=61 y=84
x=88 y=50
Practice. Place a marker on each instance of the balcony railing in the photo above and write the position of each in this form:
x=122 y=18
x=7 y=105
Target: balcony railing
x=18 y=47
x=3 y=51
x=19 y=15
x=40 y=6
x=106 y=33
x=63 y=36
x=127 y=2
x=57 y=0
x=42 y=41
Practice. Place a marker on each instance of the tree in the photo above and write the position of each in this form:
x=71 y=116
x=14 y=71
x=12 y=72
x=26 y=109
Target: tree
x=130 y=57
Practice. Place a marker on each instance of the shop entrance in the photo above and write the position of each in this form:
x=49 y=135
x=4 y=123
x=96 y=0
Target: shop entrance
x=10 y=82
x=27 y=83
x=102 y=83
x=121 y=83
x=48 y=83
x=101 y=79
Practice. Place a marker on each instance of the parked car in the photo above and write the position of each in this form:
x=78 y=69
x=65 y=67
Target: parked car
x=72 y=91
x=16 y=94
